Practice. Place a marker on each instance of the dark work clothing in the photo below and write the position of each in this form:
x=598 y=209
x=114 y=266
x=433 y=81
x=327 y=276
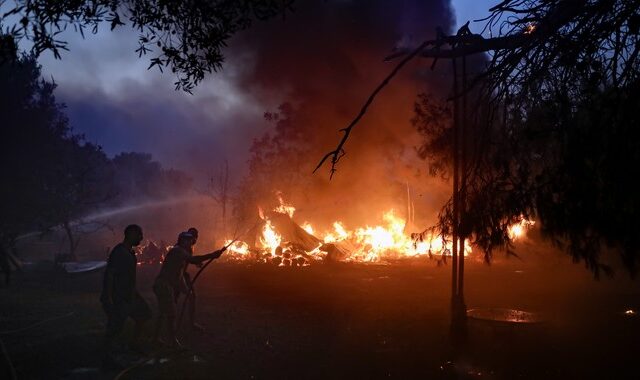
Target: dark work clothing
x=173 y=267
x=4 y=264
x=117 y=313
x=122 y=266
x=186 y=277
x=125 y=301
x=170 y=280
x=166 y=296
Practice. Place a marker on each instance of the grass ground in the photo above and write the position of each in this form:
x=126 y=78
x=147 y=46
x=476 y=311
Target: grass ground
x=344 y=321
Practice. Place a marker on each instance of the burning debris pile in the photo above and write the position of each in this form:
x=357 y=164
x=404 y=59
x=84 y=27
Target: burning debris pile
x=151 y=253
x=277 y=239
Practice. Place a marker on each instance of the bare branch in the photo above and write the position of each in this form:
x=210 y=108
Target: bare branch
x=339 y=152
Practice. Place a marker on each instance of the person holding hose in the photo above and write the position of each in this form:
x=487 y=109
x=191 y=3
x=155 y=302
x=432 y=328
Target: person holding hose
x=170 y=279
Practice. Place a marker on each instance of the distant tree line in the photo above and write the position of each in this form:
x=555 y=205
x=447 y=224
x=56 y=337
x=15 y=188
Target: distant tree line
x=52 y=176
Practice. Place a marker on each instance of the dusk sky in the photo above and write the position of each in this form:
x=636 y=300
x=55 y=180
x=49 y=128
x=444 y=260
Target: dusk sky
x=385 y=189
x=117 y=103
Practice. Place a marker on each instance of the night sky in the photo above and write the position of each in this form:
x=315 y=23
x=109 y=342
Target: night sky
x=114 y=101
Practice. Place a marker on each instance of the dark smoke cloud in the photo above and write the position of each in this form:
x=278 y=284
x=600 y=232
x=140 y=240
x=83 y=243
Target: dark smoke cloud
x=117 y=103
x=326 y=59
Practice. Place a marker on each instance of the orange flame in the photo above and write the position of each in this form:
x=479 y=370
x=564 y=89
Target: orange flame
x=239 y=248
x=270 y=239
x=307 y=227
x=365 y=244
x=518 y=230
x=284 y=208
x=530 y=28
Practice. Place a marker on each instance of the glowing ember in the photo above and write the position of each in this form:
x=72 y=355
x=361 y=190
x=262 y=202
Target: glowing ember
x=530 y=28
x=505 y=315
x=630 y=312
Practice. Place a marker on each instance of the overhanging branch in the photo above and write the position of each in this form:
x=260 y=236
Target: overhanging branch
x=338 y=153
x=461 y=45
x=468 y=45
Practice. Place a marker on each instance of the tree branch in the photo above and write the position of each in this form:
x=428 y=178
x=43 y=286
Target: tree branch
x=339 y=152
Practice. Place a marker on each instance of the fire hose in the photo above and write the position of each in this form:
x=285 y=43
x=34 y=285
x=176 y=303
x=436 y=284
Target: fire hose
x=4 y=354
x=122 y=373
x=125 y=371
x=190 y=292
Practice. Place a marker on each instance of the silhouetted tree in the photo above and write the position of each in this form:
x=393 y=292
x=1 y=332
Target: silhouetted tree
x=554 y=131
x=278 y=163
x=186 y=36
x=553 y=125
x=79 y=182
x=50 y=175
x=139 y=177
x=218 y=190
x=53 y=177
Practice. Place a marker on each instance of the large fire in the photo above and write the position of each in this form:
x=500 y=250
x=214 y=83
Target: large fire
x=304 y=244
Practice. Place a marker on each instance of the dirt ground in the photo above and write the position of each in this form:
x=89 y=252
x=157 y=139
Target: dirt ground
x=342 y=321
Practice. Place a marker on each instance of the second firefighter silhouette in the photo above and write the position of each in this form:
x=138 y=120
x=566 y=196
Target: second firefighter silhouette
x=187 y=287
x=170 y=280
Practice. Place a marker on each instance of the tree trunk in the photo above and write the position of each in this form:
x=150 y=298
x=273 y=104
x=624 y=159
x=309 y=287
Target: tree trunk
x=72 y=243
x=454 y=198
x=458 y=307
x=224 y=197
x=462 y=197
